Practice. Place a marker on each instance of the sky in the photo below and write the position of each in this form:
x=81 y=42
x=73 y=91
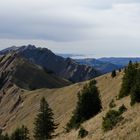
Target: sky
x=97 y=28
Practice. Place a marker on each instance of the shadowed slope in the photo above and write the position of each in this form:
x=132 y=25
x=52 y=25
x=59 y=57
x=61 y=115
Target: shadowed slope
x=16 y=70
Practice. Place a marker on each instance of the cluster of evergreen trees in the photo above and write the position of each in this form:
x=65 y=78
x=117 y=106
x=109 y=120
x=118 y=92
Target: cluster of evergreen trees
x=131 y=83
x=88 y=105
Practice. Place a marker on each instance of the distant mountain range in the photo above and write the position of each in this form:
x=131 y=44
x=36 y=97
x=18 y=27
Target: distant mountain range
x=104 y=67
x=119 y=61
x=73 y=56
x=66 y=68
x=105 y=64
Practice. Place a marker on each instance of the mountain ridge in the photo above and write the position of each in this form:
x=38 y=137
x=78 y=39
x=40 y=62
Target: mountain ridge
x=66 y=68
x=104 y=67
x=121 y=61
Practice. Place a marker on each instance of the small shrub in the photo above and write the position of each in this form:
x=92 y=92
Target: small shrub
x=82 y=133
x=112 y=104
x=111 y=119
x=122 y=109
x=117 y=97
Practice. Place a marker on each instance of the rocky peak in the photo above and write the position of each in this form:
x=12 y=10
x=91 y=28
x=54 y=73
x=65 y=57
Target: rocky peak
x=28 y=47
x=66 y=68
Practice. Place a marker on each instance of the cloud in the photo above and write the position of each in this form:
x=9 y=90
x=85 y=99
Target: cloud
x=99 y=23
x=61 y=20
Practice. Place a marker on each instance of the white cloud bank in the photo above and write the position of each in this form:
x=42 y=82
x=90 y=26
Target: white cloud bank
x=98 y=27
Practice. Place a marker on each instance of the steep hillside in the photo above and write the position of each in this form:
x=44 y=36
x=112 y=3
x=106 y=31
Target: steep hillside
x=62 y=101
x=128 y=129
x=16 y=70
x=21 y=108
x=66 y=68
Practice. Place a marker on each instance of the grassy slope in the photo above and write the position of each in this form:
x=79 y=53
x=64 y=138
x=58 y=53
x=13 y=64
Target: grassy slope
x=128 y=129
x=63 y=101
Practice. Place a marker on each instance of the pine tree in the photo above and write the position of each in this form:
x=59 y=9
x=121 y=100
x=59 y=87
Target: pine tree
x=88 y=105
x=20 y=134
x=113 y=74
x=128 y=80
x=130 y=84
x=135 y=90
x=44 y=122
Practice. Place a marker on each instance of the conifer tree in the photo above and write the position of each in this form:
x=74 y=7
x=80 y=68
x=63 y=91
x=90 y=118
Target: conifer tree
x=131 y=83
x=44 y=122
x=135 y=89
x=113 y=74
x=128 y=79
x=88 y=105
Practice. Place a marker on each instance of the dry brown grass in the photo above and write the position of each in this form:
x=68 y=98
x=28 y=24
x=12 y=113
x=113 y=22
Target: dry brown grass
x=128 y=129
x=63 y=101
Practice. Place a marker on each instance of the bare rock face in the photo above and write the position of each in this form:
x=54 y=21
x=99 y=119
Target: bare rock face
x=66 y=68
